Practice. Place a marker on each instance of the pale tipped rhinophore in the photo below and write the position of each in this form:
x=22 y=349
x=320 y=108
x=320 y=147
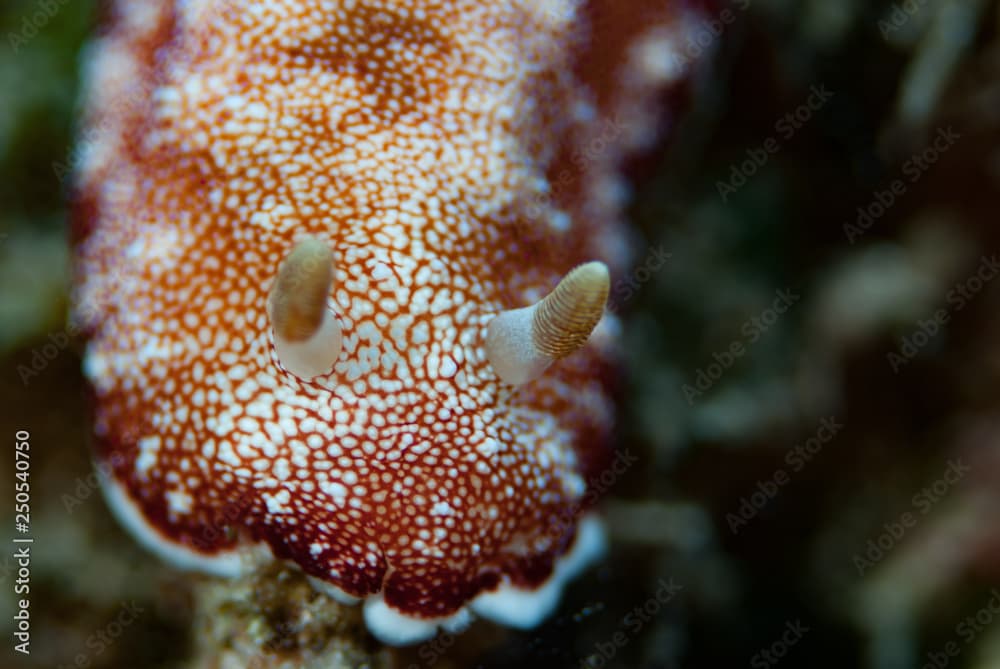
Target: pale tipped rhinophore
x=307 y=335
x=521 y=343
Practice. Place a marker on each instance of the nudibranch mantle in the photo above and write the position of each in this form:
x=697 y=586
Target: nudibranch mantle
x=426 y=167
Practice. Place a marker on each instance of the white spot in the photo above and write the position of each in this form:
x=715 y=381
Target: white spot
x=442 y=509
x=278 y=502
x=381 y=271
x=149 y=447
x=335 y=490
x=448 y=367
x=560 y=221
x=179 y=501
x=488 y=447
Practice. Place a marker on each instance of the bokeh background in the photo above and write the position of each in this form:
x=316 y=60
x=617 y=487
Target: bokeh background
x=812 y=337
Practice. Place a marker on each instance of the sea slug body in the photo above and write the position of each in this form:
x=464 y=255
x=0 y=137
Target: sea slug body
x=314 y=244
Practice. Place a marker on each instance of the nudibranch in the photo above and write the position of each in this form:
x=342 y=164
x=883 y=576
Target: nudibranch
x=343 y=267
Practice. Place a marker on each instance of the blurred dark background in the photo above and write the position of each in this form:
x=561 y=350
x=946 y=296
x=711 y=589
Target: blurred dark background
x=814 y=375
